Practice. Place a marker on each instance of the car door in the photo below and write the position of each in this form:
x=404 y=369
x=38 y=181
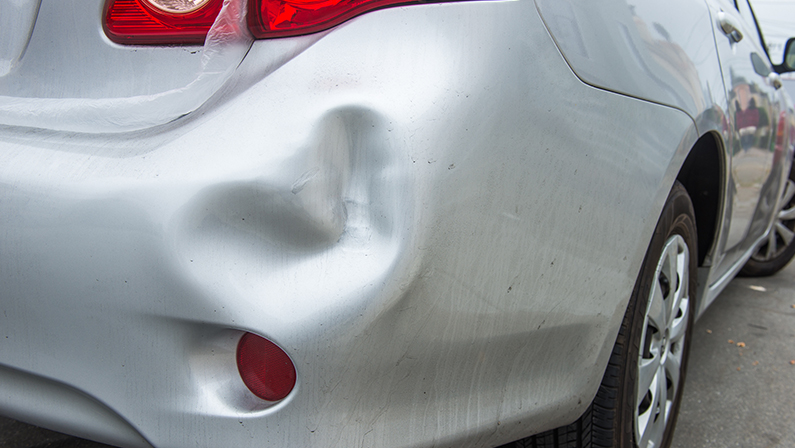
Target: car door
x=753 y=107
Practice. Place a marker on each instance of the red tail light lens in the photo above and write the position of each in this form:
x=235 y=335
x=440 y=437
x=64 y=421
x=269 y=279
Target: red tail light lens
x=160 y=21
x=265 y=368
x=165 y=22
x=281 y=18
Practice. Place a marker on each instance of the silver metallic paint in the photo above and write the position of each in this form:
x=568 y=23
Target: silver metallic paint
x=411 y=205
x=751 y=152
x=17 y=18
x=666 y=53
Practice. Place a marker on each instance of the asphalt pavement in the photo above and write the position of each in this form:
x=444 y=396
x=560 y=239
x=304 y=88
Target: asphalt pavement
x=740 y=386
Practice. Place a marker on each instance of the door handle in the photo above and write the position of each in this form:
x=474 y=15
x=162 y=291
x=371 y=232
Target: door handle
x=774 y=80
x=729 y=26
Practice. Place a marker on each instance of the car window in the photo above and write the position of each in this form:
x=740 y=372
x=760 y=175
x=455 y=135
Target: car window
x=750 y=21
x=776 y=18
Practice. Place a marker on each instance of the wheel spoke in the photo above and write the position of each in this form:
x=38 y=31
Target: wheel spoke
x=673 y=366
x=681 y=290
x=669 y=275
x=679 y=325
x=789 y=193
x=771 y=245
x=646 y=432
x=647 y=372
x=786 y=215
x=785 y=233
x=653 y=420
x=656 y=312
x=646 y=419
x=660 y=417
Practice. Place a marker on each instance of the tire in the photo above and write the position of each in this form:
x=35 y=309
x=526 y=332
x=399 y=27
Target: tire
x=779 y=246
x=649 y=359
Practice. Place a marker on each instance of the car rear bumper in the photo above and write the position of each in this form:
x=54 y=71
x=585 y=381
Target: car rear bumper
x=401 y=207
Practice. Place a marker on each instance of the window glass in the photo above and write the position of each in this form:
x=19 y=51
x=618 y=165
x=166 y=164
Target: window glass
x=777 y=20
x=750 y=31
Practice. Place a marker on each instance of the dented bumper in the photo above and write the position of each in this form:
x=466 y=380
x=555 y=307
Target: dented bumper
x=400 y=205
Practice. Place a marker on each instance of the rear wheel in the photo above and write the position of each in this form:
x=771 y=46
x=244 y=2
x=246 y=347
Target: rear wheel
x=638 y=400
x=779 y=246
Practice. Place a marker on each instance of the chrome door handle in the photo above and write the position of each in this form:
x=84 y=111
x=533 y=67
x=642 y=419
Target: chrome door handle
x=774 y=80
x=730 y=26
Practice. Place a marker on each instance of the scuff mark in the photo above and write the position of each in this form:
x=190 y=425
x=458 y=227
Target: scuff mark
x=299 y=184
x=511 y=216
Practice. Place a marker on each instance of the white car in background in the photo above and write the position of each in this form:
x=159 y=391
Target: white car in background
x=377 y=223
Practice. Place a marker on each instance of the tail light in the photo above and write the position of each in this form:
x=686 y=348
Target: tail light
x=160 y=21
x=280 y=18
x=266 y=369
x=164 y=22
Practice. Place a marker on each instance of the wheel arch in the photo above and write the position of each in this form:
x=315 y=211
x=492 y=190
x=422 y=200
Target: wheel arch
x=702 y=176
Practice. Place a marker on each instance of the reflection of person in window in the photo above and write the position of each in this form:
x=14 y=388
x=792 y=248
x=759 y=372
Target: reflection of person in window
x=747 y=122
x=748 y=118
x=763 y=118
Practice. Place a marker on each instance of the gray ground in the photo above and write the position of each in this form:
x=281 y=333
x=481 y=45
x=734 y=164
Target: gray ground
x=14 y=434
x=735 y=396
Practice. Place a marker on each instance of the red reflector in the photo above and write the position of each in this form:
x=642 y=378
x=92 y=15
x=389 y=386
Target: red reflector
x=140 y=22
x=266 y=370
x=281 y=18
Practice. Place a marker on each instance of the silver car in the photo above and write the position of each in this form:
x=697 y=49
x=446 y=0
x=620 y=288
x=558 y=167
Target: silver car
x=377 y=223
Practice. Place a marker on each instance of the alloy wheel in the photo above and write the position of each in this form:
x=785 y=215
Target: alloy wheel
x=662 y=343
x=783 y=231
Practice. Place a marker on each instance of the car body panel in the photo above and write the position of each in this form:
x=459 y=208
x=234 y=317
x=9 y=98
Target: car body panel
x=658 y=52
x=758 y=161
x=16 y=26
x=662 y=57
x=30 y=397
x=402 y=204
x=73 y=78
x=754 y=108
